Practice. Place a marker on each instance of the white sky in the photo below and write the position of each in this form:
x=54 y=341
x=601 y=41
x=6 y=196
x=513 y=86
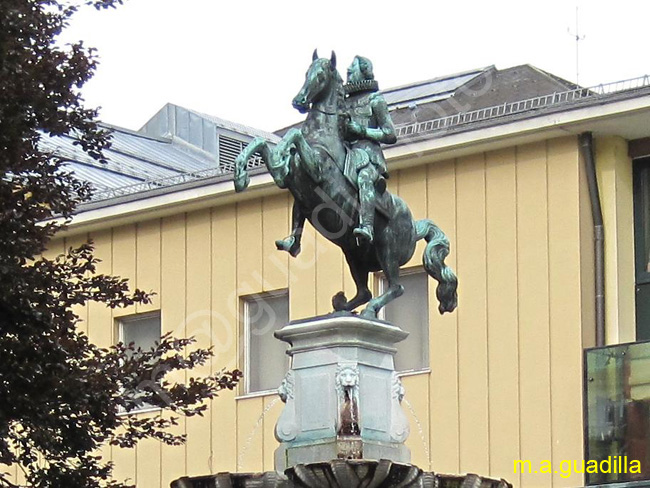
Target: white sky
x=245 y=60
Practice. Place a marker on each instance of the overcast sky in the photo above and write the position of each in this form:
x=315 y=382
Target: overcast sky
x=245 y=60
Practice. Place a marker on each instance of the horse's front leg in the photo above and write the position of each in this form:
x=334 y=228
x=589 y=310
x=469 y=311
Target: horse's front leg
x=308 y=158
x=276 y=164
x=291 y=244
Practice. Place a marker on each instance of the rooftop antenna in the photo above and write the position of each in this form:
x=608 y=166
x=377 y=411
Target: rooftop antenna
x=578 y=38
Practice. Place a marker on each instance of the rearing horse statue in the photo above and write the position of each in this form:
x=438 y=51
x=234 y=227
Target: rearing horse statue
x=311 y=163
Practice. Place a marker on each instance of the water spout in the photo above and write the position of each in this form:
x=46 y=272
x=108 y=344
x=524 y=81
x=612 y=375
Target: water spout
x=420 y=431
x=251 y=436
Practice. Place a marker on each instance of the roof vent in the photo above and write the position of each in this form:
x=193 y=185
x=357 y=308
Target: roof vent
x=230 y=148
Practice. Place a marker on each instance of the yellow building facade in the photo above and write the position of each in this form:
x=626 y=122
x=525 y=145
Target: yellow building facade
x=505 y=368
x=505 y=375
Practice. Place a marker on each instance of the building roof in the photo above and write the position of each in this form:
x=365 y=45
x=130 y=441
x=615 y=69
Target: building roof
x=197 y=128
x=488 y=87
x=178 y=146
x=499 y=96
x=432 y=90
x=175 y=146
x=465 y=91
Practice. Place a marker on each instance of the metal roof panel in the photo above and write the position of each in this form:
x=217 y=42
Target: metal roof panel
x=236 y=127
x=99 y=178
x=430 y=90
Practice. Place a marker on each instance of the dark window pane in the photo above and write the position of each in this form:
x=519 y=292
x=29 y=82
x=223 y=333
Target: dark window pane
x=642 y=246
x=642 y=214
x=643 y=312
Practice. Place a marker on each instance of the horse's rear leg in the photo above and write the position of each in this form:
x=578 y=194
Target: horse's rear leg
x=394 y=290
x=291 y=244
x=360 y=277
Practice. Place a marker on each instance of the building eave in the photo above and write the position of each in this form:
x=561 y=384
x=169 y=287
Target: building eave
x=628 y=118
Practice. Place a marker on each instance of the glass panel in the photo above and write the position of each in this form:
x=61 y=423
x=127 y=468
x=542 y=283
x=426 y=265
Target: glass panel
x=267 y=358
x=410 y=312
x=144 y=332
x=618 y=413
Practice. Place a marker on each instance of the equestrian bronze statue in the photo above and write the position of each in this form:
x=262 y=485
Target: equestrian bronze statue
x=335 y=169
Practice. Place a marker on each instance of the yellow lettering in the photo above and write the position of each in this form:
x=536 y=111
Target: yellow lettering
x=545 y=466
x=579 y=466
x=608 y=463
x=635 y=466
x=522 y=465
x=565 y=468
x=592 y=467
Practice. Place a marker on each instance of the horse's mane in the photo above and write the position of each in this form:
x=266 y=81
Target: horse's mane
x=340 y=92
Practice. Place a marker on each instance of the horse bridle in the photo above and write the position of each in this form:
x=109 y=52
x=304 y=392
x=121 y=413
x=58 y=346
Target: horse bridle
x=321 y=111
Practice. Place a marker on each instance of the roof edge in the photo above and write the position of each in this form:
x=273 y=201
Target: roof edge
x=439 y=78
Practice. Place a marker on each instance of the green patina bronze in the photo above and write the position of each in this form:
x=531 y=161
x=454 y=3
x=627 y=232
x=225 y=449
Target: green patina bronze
x=335 y=169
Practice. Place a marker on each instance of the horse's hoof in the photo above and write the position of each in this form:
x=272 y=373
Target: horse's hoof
x=290 y=245
x=241 y=182
x=368 y=313
x=339 y=301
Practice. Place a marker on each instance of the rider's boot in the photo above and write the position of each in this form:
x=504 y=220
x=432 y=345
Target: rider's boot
x=364 y=233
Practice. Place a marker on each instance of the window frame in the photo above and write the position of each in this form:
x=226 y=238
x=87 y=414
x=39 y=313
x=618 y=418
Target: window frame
x=245 y=334
x=626 y=350
x=380 y=283
x=119 y=333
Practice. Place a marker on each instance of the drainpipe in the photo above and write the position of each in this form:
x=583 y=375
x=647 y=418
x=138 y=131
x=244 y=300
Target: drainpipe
x=587 y=147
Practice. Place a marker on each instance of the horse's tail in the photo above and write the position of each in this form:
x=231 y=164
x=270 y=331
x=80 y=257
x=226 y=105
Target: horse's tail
x=434 y=263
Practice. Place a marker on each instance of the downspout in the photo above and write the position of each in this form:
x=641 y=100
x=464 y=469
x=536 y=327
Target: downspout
x=587 y=147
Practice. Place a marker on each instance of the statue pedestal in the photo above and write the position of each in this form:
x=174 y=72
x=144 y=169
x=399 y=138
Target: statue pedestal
x=342 y=394
x=342 y=425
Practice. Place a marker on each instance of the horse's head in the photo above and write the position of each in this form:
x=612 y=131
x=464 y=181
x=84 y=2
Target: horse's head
x=319 y=76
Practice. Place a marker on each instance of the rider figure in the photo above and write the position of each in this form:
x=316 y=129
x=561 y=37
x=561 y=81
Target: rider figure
x=369 y=125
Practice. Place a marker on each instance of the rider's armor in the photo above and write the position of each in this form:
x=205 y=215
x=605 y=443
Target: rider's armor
x=359 y=108
x=367 y=110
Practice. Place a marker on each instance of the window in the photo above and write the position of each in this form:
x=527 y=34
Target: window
x=410 y=312
x=617 y=420
x=641 y=180
x=265 y=359
x=143 y=330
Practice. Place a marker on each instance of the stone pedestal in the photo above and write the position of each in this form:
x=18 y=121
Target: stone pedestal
x=342 y=424
x=342 y=394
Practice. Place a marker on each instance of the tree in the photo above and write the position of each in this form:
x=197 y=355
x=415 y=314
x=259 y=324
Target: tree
x=60 y=395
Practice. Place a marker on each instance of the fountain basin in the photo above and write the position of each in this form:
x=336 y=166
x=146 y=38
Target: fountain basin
x=343 y=473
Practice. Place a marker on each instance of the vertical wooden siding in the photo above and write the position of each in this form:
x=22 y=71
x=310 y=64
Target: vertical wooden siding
x=505 y=380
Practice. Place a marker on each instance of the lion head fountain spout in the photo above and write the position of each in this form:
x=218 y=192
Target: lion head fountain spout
x=347 y=388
